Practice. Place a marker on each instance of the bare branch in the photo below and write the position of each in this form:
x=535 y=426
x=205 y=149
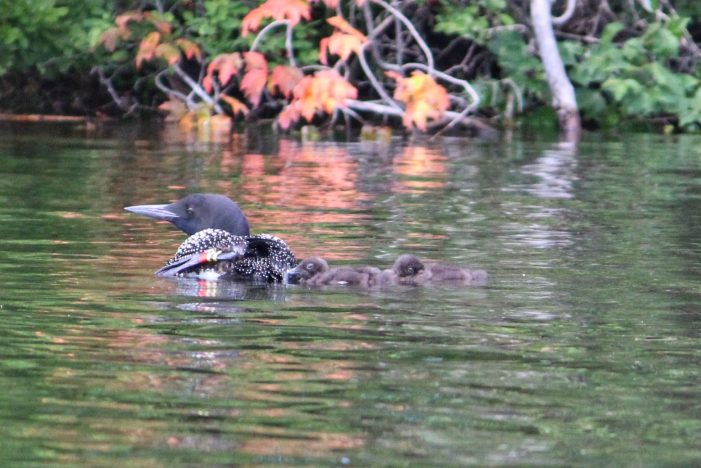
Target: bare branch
x=107 y=83
x=412 y=29
x=373 y=80
x=567 y=14
x=288 y=45
x=381 y=109
x=197 y=89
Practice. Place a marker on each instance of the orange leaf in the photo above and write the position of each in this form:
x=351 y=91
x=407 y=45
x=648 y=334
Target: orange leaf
x=109 y=39
x=159 y=23
x=279 y=10
x=169 y=52
x=189 y=48
x=342 y=42
x=344 y=26
x=122 y=21
x=147 y=48
x=236 y=105
x=253 y=82
x=424 y=98
x=325 y=91
x=285 y=79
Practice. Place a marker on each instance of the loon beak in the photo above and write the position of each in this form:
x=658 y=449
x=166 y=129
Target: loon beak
x=292 y=277
x=160 y=212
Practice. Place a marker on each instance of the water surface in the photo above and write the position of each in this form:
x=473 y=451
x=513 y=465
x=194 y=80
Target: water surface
x=585 y=347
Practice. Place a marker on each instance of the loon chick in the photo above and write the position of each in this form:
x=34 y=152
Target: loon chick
x=220 y=245
x=409 y=270
x=308 y=268
x=314 y=271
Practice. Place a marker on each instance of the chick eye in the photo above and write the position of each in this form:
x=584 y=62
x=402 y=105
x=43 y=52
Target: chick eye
x=309 y=266
x=189 y=211
x=410 y=270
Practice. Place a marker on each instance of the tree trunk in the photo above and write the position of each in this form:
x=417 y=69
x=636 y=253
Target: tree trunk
x=564 y=101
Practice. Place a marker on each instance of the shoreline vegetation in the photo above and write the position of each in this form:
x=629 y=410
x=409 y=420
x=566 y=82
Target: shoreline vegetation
x=425 y=66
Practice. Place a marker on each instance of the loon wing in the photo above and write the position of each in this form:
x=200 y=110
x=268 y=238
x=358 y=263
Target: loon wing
x=188 y=262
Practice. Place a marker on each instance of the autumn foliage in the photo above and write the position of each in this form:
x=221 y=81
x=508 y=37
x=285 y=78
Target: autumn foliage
x=240 y=82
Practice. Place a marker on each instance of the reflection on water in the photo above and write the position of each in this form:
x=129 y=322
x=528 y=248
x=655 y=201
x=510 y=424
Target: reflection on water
x=585 y=345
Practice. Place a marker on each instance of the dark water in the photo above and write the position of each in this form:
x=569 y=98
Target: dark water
x=584 y=349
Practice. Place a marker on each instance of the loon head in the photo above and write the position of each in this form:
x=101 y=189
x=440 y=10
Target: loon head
x=197 y=212
x=308 y=268
x=407 y=265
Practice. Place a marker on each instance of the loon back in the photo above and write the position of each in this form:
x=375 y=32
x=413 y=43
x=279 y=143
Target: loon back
x=217 y=254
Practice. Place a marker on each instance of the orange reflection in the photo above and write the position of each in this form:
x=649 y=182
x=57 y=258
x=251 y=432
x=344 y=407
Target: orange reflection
x=308 y=443
x=419 y=168
x=301 y=176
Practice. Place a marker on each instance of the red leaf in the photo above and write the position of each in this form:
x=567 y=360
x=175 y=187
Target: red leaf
x=227 y=65
x=253 y=82
x=288 y=116
x=279 y=10
x=252 y=20
x=285 y=79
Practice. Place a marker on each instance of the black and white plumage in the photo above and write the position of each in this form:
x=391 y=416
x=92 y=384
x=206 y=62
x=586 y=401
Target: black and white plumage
x=220 y=246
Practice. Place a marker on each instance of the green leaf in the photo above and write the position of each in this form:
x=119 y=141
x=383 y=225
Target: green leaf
x=662 y=42
x=677 y=25
x=610 y=32
x=570 y=52
x=591 y=103
x=622 y=88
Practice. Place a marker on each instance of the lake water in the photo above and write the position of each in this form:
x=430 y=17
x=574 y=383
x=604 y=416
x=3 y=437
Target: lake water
x=585 y=348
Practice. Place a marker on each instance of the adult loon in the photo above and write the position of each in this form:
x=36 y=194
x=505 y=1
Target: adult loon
x=220 y=245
